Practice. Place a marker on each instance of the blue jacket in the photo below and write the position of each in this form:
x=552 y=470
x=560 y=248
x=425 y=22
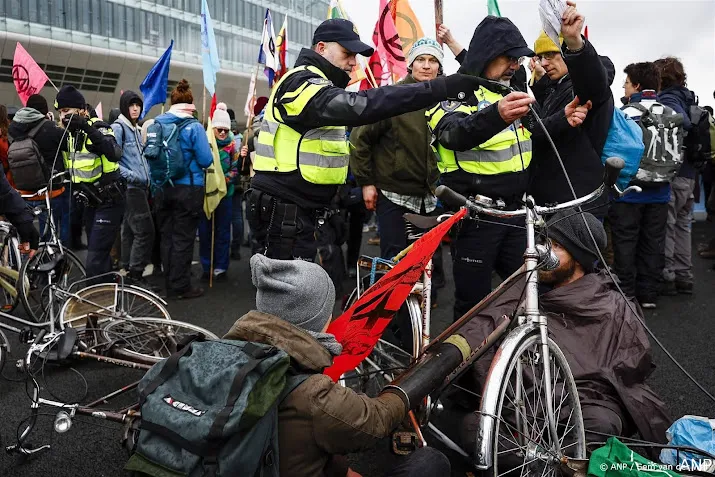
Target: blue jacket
x=196 y=149
x=680 y=99
x=132 y=165
x=650 y=195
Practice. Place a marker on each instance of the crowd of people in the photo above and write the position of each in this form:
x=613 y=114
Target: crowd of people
x=308 y=191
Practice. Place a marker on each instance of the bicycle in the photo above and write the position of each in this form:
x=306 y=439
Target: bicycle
x=33 y=279
x=10 y=263
x=530 y=417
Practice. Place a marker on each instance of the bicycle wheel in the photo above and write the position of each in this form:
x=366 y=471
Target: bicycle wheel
x=523 y=443
x=111 y=301
x=10 y=263
x=153 y=338
x=392 y=354
x=33 y=283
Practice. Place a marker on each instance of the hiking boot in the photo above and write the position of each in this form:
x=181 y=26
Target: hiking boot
x=684 y=288
x=193 y=292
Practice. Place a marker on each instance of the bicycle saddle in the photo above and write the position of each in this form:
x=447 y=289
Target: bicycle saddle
x=56 y=262
x=64 y=346
x=422 y=222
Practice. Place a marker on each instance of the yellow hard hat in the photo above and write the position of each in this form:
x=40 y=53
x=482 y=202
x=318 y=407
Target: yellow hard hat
x=544 y=44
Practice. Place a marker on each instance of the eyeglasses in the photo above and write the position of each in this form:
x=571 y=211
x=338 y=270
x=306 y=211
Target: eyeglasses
x=550 y=55
x=515 y=60
x=222 y=130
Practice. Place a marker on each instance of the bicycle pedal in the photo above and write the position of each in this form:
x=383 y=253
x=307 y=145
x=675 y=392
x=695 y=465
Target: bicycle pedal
x=405 y=442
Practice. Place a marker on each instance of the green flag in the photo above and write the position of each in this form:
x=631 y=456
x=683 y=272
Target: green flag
x=493 y=8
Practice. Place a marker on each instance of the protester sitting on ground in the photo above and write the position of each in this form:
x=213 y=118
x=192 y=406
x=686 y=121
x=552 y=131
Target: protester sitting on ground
x=221 y=220
x=138 y=226
x=178 y=206
x=320 y=421
x=51 y=140
x=605 y=344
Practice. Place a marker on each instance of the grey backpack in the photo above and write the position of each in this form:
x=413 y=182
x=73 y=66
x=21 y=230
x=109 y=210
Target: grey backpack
x=663 y=140
x=211 y=409
x=28 y=168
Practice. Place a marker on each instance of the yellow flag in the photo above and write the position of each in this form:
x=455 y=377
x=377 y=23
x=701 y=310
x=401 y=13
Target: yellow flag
x=407 y=24
x=215 y=179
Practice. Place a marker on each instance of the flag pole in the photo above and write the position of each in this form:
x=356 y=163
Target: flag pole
x=438 y=16
x=53 y=84
x=213 y=237
x=203 y=107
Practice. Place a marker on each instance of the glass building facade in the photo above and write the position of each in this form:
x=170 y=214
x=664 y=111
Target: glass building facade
x=143 y=29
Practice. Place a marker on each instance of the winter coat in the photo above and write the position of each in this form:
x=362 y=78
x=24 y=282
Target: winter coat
x=606 y=347
x=132 y=165
x=395 y=154
x=680 y=98
x=194 y=146
x=230 y=161
x=580 y=148
x=320 y=420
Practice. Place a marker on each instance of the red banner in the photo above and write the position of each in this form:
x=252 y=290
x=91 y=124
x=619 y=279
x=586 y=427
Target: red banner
x=387 y=41
x=28 y=77
x=360 y=327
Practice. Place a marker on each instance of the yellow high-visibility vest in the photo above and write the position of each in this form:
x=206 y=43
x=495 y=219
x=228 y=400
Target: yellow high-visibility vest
x=322 y=155
x=503 y=153
x=86 y=166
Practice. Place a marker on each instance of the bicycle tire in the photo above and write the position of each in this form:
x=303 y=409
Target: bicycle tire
x=532 y=440
x=4 y=350
x=10 y=264
x=152 y=338
x=32 y=287
x=388 y=358
x=111 y=301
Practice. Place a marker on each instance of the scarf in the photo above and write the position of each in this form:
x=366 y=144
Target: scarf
x=183 y=110
x=327 y=341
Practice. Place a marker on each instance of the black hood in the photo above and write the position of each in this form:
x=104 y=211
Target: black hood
x=114 y=115
x=310 y=58
x=610 y=68
x=682 y=94
x=128 y=98
x=493 y=37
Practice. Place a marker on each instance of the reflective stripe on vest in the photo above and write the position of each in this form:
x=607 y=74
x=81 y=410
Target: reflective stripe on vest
x=321 y=154
x=85 y=166
x=506 y=152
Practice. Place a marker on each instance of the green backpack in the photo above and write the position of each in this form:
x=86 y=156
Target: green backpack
x=211 y=409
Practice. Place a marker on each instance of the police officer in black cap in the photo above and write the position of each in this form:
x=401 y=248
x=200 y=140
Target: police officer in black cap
x=302 y=152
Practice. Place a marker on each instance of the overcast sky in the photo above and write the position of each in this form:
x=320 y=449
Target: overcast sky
x=625 y=30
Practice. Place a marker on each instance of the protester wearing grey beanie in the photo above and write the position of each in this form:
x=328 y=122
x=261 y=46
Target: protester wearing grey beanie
x=569 y=230
x=298 y=292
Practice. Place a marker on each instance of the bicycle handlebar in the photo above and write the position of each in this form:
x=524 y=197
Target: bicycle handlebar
x=43 y=191
x=613 y=167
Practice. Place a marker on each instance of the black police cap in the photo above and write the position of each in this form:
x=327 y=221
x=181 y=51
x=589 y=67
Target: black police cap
x=343 y=32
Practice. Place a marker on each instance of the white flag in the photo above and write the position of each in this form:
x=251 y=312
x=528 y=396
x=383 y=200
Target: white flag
x=248 y=109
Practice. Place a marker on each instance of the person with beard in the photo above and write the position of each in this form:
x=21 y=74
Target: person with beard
x=604 y=341
x=92 y=158
x=485 y=149
x=138 y=226
x=302 y=153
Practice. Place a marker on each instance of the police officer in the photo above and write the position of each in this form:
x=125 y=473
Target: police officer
x=92 y=159
x=485 y=149
x=302 y=153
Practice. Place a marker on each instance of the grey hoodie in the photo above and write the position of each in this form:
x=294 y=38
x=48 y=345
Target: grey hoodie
x=132 y=165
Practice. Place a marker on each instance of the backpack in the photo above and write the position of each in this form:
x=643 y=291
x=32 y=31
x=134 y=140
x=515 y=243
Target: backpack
x=663 y=139
x=211 y=409
x=28 y=168
x=697 y=141
x=163 y=152
x=624 y=140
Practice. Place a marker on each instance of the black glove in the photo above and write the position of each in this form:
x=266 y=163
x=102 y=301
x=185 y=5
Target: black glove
x=77 y=123
x=458 y=86
x=28 y=233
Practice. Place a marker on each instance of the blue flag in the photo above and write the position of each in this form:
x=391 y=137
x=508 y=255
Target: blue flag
x=209 y=52
x=154 y=86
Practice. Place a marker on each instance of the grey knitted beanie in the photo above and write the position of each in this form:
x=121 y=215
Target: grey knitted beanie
x=296 y=291
x=568 y=229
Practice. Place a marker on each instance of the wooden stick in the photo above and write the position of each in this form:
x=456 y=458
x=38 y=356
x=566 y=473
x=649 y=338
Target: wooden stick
x=438 y=15
x=213 y=236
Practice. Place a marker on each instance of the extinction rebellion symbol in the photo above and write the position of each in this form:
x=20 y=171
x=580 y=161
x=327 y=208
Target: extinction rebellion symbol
x=21 y=78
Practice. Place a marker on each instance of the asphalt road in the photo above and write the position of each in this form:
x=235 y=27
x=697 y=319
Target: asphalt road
x=685 y=325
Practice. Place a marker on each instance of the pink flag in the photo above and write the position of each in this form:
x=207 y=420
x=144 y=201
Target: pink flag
x=387 y=41
x=26 y=74
x=98 y=110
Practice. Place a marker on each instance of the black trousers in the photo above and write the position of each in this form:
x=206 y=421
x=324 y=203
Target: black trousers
x=357 y=214
x=638 y=232
x=280 y=229
x=480 y=248
x=178 y=210
x=102 y=224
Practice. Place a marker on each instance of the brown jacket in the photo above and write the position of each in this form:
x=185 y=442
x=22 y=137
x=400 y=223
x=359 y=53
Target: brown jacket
x=607 y=348
x=319 y=419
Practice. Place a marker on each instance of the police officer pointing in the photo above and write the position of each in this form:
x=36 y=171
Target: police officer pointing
x=302 y=152
x=92 y=159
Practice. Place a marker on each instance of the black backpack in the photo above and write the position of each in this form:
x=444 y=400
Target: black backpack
x=28 y=168
x=697 y=140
